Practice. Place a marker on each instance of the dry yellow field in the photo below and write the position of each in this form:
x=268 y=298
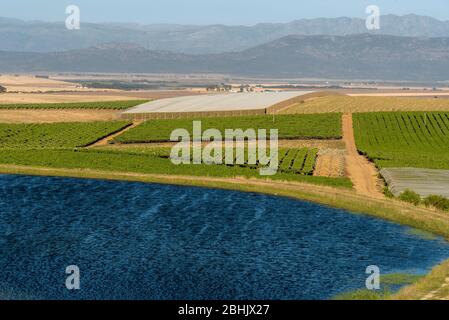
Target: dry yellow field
x=347 y=104
x=24 y=83
x=402 y=94
x=330 y=163
x=28 y=83
x=18 y=98
x=48 y=116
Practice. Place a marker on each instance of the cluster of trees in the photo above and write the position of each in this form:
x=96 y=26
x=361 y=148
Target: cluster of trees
x=435 y=201
x=410 y=196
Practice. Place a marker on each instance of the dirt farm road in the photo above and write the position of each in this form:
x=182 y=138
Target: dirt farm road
x=363 y=174
x=106 y=140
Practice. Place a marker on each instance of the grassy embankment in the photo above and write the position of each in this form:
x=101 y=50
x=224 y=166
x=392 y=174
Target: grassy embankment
x=431 y=287
x=388 y=283
x=434 y=286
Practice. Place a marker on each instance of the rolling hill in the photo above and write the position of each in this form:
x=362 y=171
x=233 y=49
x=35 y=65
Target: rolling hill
x=362 y=56
x=35 y=36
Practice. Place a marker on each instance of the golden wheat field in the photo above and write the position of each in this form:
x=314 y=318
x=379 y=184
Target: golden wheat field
x=348 y=104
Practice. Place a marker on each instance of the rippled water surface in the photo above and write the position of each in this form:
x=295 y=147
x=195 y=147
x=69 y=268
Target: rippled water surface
x=149 y=241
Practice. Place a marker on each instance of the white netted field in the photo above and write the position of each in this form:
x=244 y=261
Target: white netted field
x=217 y=102
x=423 y=181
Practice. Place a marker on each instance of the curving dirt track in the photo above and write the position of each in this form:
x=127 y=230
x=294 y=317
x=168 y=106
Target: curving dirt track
x=363 y=173
x=106 y=140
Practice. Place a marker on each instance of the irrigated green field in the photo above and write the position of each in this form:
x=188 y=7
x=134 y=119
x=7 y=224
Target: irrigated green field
x=300 y=161
x=112 y=105
x=404 y=139
x=146 y=161
x=290 y=160
x=60 y=145
x=322 y=126
x=55 y=135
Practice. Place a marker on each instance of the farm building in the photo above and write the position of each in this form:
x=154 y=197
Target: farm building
x=228 y=104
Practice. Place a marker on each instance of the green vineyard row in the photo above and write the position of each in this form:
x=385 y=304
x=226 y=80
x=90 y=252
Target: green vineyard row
x=56 y=135
x=404 y=139
x=322 y=126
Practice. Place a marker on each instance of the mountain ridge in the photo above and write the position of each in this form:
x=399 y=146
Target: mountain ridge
x=362 y=56
x=36 y=36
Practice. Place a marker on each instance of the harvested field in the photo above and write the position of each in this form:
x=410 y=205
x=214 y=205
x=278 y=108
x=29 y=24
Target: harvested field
x=97 y=105
x=49 y=116
x=345 y=104
x=26 y=83
x=402 y=94
x=312 y=143
x=141 y=94
x=22 y=98
x=330 y=163
x=90 y=96
x=425 y=182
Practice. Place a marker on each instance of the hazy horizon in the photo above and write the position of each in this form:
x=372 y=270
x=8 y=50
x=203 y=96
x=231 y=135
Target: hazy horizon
x=203 y=12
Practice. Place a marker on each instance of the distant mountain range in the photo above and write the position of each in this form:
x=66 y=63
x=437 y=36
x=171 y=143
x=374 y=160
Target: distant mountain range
x=17 y=35
x=362 y=56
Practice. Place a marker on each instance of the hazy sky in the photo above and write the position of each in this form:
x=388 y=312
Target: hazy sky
x=245 y=12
